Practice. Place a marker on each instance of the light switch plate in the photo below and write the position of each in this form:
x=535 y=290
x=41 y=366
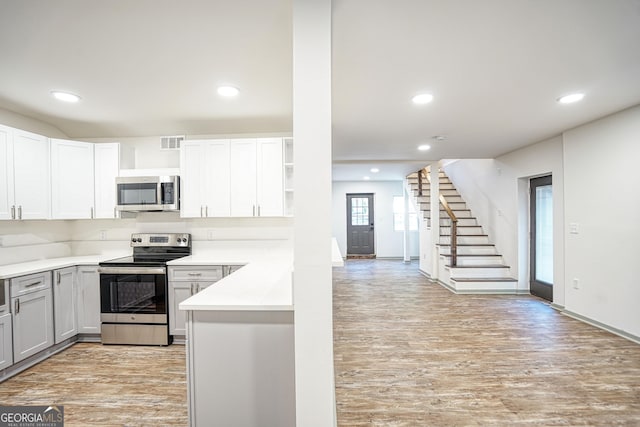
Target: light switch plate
x=573 y=228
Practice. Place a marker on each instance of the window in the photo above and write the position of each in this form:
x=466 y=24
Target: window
x=398 y=215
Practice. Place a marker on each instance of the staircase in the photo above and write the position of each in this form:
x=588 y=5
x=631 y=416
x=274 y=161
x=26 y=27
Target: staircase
x=479 y=267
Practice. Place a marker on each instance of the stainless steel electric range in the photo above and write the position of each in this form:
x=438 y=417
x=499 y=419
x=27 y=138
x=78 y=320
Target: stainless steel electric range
x=134 y=291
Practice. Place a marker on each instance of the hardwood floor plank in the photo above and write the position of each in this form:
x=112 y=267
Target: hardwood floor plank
x=107 y=385
x=408 y=352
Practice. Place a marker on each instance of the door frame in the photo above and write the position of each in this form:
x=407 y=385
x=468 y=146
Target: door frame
x=371 y=222
x=536 y=287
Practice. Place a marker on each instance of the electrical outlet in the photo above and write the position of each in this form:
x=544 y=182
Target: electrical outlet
x=576 y=284
x=103 y=234
x=210 y=234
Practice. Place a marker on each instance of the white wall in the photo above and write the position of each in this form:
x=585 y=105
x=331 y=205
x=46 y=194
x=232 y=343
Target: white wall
x=15 y=120
x=496 y=191
x=388 y=243
x=602 y=198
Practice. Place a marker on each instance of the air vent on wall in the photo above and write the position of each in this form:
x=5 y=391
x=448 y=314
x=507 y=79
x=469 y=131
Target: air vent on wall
x=171 y=142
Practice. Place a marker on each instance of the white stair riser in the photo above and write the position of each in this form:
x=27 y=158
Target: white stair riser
x=478 y=272
x=468 y=240
x=454 y=198
x=469 y=250
x=484 y=286
x=458 y=213
x=461 y=231
x=475 y=260
x=461 y=221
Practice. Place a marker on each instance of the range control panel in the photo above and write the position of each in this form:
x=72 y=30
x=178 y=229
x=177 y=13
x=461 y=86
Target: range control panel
x=161 y=239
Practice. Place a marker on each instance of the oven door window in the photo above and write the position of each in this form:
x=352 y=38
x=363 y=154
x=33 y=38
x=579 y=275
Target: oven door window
x=138 y=194
x=133 y=293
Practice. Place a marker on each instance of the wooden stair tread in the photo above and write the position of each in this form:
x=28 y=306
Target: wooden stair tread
x=471 y=255
x=466 y=244
x=479 y=266
x=484 y=279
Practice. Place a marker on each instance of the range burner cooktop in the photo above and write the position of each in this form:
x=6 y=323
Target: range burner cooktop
x=154 y=249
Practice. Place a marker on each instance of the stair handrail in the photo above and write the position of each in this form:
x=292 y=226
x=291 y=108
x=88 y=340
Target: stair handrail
x=422 y=173
x=454 y=231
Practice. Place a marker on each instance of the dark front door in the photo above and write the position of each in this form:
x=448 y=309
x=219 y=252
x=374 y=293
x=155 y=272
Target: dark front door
x=541 y=264
x=360 y=229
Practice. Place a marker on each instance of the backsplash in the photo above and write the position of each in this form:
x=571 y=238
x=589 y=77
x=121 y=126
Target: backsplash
x=22 y=241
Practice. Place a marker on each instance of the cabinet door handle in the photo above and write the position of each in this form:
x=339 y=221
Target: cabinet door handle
x=195 y=274
x=115 y=215
x=198 y=287
x=58 y=277
x=254 y=210
x=20 y=212
x=13 y=212
x=33 y=284
x=200 y=211
x=17 y=306
x=206 y=211
x=258 y=210
x=91 y=212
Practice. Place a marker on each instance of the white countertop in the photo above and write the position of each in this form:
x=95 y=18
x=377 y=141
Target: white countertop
x=30 y=267
x=264 y=283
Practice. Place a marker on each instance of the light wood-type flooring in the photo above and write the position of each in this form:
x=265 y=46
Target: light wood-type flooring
x=407 y=353
x=410 y=353
x=107 y=385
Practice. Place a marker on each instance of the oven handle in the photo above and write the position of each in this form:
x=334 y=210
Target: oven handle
x=131 y=270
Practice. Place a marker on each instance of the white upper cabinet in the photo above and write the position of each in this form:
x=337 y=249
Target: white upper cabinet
x=237 y=177
x=72 y=185
x=106 y=167
x=257 y=177
x=269 y=177
x=204 y=177
x=7 y=206
x=24 y=178
x=243 y=177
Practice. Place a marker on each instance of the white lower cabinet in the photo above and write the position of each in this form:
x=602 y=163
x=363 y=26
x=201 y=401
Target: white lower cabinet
x=184 y=282
x=64 y=300
x=88 y=300
x=6 y=345
x=32 y=314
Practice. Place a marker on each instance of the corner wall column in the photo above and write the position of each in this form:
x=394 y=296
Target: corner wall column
x=312 y=286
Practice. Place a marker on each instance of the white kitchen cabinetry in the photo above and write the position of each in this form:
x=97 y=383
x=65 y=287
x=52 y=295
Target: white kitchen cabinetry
x=24 y=177
x=106 y=168
x=184 y=282
x=88 y=301
x=64 y=300
x=72 y=179
x=7 y=204
x=6 y=346
x=256 y=177
x=204 y=176
x=32 y=314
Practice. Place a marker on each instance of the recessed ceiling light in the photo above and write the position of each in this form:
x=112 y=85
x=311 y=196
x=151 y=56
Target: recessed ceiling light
x=571 y=98
x=228 y=91
x=366 y=178
x=440 y=137
x=375 y=170
x=423 y=98
x=424 y=147
x=65 y=96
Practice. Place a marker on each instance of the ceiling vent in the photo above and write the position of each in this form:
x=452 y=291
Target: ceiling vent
x=171 y=142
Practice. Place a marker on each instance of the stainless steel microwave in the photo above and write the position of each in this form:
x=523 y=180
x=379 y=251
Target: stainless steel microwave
x=148 y=193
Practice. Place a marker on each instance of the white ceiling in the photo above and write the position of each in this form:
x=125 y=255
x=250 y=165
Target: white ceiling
x=495 y=68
